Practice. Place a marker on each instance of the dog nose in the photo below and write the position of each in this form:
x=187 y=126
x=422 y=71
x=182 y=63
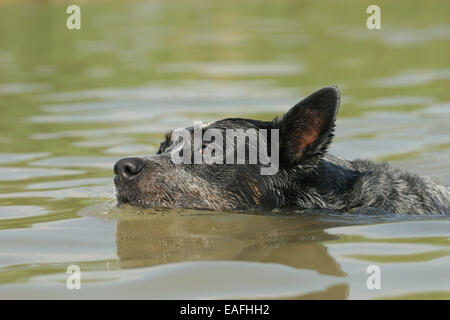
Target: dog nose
x=128 y=167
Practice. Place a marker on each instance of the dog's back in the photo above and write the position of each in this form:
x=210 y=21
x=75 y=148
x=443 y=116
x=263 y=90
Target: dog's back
x=379 y=185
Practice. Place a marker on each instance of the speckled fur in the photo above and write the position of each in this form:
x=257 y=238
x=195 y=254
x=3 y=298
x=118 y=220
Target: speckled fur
x=308 y=177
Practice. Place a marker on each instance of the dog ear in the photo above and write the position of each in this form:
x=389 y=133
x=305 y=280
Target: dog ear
x=307 y=129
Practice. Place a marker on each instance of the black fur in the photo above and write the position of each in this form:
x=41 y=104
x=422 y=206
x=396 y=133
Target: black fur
x=308 y=177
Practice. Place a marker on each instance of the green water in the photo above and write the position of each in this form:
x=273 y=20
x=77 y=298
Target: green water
x=74 y=102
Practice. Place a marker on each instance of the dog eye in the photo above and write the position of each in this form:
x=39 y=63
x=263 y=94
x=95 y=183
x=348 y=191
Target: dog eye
x=202 y=149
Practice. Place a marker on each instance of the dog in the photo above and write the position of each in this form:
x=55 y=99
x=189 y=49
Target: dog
x=307 y=176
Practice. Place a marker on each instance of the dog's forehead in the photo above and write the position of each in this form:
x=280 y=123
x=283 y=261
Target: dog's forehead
x=238 y=123
x=223 y=124
x=198 y=124
x=204 y=124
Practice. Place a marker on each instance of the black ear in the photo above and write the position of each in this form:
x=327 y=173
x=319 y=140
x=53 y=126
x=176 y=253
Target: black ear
x=307 y=129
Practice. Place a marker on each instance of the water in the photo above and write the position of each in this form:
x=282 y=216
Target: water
x=74 y=102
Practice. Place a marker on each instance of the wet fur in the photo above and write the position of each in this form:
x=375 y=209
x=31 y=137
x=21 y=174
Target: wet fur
x=308 y=177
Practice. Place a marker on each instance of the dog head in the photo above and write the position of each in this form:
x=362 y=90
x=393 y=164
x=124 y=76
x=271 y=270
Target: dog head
x=211 y=173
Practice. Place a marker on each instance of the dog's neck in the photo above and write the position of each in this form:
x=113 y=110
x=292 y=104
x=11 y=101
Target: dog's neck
x=328 y=186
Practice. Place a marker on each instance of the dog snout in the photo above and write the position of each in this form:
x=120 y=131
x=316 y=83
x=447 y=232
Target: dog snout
x=129 y=167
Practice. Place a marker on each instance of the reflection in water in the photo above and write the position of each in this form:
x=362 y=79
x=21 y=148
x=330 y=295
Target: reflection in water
x=293 y=241
x=161 y=238
x=157 y=239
